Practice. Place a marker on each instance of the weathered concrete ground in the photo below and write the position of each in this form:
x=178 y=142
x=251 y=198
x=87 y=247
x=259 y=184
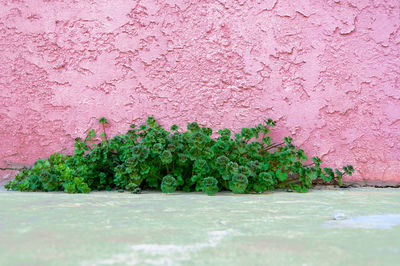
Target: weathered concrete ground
x=323 y=227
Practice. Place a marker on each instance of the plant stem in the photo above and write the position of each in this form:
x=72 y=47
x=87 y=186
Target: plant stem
x=274 y=145
x=19 y=169
x=104 y=131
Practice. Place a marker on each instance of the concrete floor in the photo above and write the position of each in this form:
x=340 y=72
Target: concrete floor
x=323 y=227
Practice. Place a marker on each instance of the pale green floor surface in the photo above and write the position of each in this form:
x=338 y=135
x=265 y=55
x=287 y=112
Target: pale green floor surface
x=281 y=228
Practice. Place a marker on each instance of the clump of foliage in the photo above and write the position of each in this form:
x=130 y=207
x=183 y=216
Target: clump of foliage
x=151 y=157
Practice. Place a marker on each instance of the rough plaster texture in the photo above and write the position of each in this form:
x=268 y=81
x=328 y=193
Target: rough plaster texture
x=327 y=71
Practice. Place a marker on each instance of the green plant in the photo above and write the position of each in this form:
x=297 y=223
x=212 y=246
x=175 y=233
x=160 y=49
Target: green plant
x=150 y=157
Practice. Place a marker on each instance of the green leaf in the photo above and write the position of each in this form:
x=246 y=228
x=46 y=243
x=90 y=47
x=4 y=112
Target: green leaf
x=210 y=185
x=259 y=187
x=298 y=188
x=166 y=157
x=103 y=120
x=281 y=176
x=329 y=174
x=267 y=140
x=151 y=121
x=288 y=140
x=317 y=161
x=247 y=133
x=92 y=133
x=239 y=183
x=348 y=169
x=168 y=184
x=301 y=155
x=174 y=127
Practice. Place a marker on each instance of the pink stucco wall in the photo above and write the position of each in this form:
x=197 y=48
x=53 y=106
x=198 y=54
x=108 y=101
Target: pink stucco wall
x=328 y=71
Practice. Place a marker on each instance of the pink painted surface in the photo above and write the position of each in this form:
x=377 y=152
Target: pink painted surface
x=327 y=71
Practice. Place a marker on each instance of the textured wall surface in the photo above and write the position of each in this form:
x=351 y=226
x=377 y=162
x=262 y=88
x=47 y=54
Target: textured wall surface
x=328 y=71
